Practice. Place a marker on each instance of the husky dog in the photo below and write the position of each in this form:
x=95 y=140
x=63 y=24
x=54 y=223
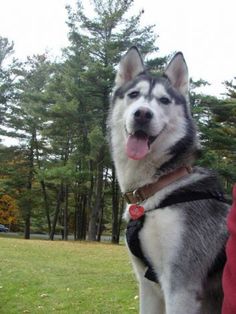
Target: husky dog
x=176 y=213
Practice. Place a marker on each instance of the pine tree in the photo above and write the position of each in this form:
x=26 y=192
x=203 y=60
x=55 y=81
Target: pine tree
x=96 y=45
x=8 y=73
x=216 y=120
x=24 y=120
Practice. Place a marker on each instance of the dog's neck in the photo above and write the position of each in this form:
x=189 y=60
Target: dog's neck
x=135 y=174
x=146 y=191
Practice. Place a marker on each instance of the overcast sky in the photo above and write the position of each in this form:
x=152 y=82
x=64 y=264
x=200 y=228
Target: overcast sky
x=205 y=31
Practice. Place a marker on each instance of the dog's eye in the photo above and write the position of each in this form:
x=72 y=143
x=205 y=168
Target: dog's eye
x=165 y=100
x=134 y=94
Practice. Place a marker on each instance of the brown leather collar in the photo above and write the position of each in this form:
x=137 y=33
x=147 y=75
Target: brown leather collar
x=143 y=193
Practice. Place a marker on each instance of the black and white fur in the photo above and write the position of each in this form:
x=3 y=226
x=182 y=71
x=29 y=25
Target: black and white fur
x=182 y=241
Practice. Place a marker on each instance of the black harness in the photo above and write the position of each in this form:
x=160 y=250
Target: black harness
x=134 y=226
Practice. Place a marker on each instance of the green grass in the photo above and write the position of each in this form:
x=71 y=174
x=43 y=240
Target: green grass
x=65 y=277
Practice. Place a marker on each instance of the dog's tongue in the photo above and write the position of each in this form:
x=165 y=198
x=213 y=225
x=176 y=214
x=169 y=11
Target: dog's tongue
x=137 y=146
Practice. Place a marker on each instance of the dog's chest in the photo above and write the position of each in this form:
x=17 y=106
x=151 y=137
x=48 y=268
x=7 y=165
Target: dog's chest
x=161 y=238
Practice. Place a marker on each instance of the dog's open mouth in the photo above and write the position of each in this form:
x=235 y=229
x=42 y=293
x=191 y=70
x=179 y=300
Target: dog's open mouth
x=138 y=144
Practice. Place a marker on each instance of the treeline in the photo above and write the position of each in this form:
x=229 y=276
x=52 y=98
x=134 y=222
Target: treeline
x=59 y=177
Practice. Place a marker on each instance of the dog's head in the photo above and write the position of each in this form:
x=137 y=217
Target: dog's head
x=151 y=114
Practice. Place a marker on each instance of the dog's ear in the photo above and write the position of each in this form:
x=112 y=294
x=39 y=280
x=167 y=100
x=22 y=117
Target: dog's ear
x=130 y=66
x=177 y=72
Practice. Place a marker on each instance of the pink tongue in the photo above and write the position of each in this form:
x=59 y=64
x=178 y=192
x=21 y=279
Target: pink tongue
x=137 y=147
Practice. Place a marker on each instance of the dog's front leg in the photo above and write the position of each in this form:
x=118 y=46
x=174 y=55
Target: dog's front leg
x=151 y=300
x=183 y=301
x=151 y=297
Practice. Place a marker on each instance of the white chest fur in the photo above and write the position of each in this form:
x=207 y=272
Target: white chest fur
x=161 y=237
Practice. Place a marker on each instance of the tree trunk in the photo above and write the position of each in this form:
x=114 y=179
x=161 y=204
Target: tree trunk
x=91 y=189
x=81 y=218
x=100 y=226
x=47 y=210
x=121 y=205
x=115 y=209
x=27 y=227
x=96 y=209
x=66 y=214
x=29 y=188
x=44 y=191
x=57 y=211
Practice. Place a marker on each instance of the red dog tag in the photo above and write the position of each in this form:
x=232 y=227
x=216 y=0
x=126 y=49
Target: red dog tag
x=136 y=211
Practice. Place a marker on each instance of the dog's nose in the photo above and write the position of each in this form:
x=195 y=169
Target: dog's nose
x=143 y=115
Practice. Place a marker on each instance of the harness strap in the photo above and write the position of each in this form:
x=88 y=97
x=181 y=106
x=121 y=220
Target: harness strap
x=191 y=196
x=132 y=238
x=134 y=226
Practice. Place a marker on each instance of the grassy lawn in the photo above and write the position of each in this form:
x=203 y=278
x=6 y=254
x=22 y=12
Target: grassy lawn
x=65 y=277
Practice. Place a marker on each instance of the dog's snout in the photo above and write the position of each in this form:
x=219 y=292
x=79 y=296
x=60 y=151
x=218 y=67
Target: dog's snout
x=143 y=115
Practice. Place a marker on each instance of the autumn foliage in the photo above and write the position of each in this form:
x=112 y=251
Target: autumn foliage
x=8 y=210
